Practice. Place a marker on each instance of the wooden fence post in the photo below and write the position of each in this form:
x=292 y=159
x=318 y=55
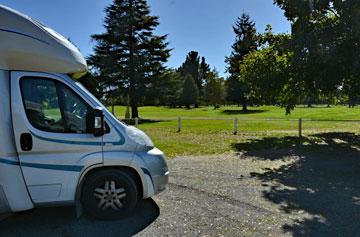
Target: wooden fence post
x=300 y=128
x=235 y=126
x=136 y=122
x=179 y=124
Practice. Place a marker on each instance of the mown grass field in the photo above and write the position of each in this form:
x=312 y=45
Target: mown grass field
x=209 y=131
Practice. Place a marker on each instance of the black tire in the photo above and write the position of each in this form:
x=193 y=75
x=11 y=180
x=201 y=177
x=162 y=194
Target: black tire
x=97 y=180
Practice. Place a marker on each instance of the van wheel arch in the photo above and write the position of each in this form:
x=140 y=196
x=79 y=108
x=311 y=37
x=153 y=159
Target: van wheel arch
x=128 y=170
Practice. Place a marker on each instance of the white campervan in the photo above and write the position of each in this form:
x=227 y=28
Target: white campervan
x=58 y=144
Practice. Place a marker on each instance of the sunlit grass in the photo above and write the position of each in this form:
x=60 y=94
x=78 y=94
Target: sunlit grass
x=319 y=112
x=209 y=131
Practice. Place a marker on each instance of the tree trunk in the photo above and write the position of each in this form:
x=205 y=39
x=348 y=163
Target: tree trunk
x=196 y=106
x=188 y=106
x=132 y=71
x=244 y=106
x=134 y=111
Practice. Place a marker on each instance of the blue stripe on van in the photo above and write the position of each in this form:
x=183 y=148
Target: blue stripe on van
x=9 y=162
x=81 y=143
x=74 y=168
x=22 y=34
x=66 y=141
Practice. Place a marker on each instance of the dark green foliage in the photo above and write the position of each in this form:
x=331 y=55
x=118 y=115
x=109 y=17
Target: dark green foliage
x=191 y=66
x=245 y=42
x=318 y=63
x=198 y=69
x=214 y=89
x=265 y=72
x=326 y=46
x=129 y=57
x=205 y=71
x=92 y=83
x=167 y=89
x=236 y=91
x=190 y=93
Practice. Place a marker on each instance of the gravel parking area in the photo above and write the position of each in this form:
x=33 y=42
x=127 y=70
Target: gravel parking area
x=218 y=196
x=308 y=191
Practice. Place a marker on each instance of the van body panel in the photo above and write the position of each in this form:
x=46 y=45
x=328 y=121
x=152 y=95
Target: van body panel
x=24 y=39
x=11 y=178
x=13 y=185
x=52 y=172
x=52 y=168
x=153 y=167
x=47 y=142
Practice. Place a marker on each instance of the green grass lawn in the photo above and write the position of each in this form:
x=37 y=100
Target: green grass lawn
x=209 y=131
x=263 y=112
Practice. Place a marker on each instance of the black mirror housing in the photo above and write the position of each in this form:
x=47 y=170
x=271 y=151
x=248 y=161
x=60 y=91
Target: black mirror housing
x=97 y=122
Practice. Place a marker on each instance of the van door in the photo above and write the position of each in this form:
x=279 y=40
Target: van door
x=52 y=135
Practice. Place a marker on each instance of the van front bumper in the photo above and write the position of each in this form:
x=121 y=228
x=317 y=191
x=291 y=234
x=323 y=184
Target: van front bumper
x=160 y=182
x=156 y=167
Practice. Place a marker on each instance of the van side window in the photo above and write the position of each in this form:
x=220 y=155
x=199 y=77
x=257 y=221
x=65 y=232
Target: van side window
x=42 y=105
x=53 y=107
x=75 y=110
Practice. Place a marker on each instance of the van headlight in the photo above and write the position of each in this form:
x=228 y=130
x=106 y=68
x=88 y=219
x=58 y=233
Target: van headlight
x=139 y=137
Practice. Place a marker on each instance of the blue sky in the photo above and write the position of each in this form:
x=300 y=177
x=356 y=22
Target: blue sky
x=201 y=25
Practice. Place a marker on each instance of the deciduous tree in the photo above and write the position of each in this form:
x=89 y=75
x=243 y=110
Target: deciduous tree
x=214 y=89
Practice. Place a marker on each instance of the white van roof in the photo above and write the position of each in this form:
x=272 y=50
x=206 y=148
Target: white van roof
x=27 y=45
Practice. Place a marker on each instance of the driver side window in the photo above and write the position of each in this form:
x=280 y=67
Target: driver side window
x=53 y=107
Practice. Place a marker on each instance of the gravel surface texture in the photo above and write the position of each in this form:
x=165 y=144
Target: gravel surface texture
x=312 y=191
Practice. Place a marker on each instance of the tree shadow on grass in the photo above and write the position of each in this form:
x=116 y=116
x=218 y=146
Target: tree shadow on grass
x=324 y=182
x=61 y=221
x=239 y=111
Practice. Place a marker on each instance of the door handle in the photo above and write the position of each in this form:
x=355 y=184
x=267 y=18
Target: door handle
x=26 y=142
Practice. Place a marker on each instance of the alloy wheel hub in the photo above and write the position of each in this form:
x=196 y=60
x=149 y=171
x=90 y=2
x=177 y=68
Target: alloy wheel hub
x=109 y=196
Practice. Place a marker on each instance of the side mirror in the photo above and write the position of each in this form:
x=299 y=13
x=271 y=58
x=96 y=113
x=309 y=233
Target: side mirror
x=98 y=125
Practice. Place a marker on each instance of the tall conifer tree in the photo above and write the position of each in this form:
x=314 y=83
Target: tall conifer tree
x=245 y=42
x=190 y=93
x=129 y=56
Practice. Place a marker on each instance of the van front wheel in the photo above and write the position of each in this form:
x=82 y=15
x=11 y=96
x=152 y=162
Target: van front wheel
x=109 y=194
